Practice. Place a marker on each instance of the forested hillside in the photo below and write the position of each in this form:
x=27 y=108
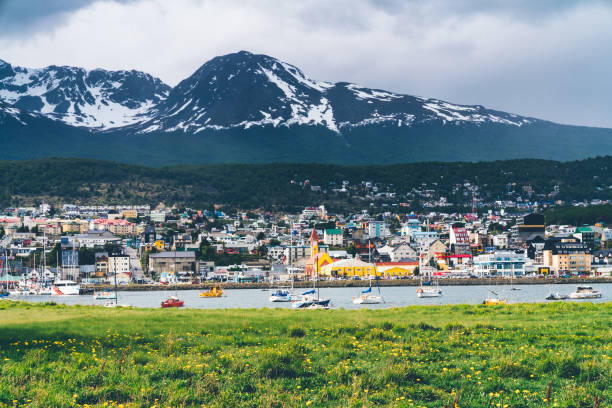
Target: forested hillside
x=282 y=185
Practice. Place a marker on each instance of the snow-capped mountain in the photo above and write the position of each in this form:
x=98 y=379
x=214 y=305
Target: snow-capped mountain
x=96 y=99
x=244 y=107
x=245 y=90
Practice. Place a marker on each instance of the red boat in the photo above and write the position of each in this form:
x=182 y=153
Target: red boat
x=172 y=302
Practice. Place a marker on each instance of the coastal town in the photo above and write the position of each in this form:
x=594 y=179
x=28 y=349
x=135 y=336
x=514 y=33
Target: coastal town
x=138 y=244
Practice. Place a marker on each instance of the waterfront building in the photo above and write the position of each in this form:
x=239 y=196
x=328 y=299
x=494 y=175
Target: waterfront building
x=505 y=263
x=172 y=261
x=567 y=254
x=348 y=268
x=396 y=269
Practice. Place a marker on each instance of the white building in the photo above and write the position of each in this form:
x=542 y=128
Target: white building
x=378 y=229
x=118 y=264
x=504 y=263
x=96 y=238
x=333 y=237
x=500 y=241
x=157 y=216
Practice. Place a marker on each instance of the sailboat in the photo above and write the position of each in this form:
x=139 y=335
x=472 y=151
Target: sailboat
x=495 y=299
x=554 y=295
x=110 y=303
x=512 y=287
x=311 y=299
x=367 y=298
x=4 y=290
x=283 y=294
x=426 y=289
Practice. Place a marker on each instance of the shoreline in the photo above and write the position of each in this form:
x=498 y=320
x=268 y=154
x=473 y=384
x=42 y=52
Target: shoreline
x=347 y=284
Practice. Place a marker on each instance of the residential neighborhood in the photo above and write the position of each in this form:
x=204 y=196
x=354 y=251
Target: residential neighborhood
x=170 y=245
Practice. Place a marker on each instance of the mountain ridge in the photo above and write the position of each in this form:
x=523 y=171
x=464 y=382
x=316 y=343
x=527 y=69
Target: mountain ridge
x=245 y=107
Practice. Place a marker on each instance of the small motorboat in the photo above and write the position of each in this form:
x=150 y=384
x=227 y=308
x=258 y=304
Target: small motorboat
x=556 y=296
x=213 y=292
x=104 y=295
x=494 y=300
x=172 y=301
x=429 y=292
x=281 y=295
x=585 y=292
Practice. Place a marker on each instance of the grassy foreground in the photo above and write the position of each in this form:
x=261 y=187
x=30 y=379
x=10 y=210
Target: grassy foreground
x=523 y=355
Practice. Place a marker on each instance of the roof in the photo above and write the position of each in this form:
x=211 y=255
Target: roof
x=583 y=229
x=350 y=263
x=173 y=254
x=333 y=231
x=397 y=263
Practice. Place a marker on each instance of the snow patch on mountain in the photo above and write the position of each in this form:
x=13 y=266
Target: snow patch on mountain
x=241 y=90
x=365 y=93
x=96 y=99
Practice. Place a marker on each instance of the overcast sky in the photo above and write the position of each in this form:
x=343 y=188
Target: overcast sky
x=550 y=59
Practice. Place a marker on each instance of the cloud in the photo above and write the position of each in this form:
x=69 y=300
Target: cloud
x=549 y=59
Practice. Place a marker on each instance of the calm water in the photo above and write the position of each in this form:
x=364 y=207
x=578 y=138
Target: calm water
x=341 y=297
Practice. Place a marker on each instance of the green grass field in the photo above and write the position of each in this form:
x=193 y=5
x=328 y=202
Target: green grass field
x=523 y=355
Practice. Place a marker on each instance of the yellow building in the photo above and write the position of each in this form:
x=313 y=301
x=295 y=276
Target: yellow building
x=76 y=226
x=349 y=268
x=391 y=269
x=129 y=213
x=567 y=255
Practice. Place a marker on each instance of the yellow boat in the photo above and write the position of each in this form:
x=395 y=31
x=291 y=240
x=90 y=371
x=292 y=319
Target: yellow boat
x=215 y=291
x=493 y=301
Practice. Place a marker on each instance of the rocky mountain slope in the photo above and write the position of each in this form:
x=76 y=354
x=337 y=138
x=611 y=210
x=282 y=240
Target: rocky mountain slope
x=245 y=107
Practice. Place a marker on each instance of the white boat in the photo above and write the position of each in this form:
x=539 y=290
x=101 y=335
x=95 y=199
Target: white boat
x=367 y=298
x=318 y=306
x=425 y=292
x=281 y=295
x=556 y=296
x=65 y=288
x=585 y=292
x=308 y=300
x=104 y=295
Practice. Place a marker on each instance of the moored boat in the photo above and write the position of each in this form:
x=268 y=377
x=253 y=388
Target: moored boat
x=281 y=295
x=212 y=292
x=585 y=292
x=105 y=294
x=556 y=296
x=428 y=292
x=65 y=288
x=367 y=298
x=308 y=299
x=494 y=299
x=172 y=301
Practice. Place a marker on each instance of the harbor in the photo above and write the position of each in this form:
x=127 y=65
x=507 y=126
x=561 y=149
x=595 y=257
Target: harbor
x=341 y=297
